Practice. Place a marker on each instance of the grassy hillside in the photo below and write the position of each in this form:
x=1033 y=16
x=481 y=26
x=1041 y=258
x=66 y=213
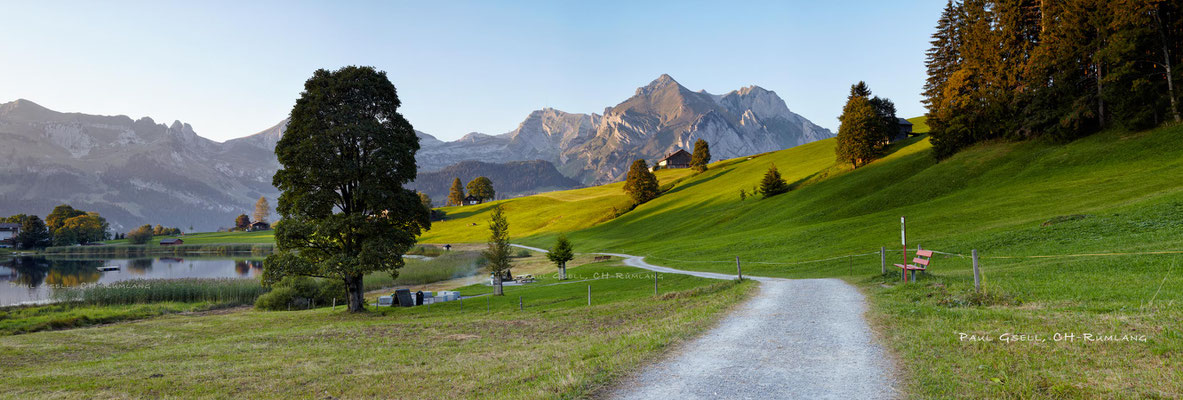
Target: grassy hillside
x=1036 y=212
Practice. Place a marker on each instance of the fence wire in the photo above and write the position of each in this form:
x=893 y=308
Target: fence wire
x=1158 y=252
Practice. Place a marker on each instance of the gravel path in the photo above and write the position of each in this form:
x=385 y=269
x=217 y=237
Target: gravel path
x=797 y=338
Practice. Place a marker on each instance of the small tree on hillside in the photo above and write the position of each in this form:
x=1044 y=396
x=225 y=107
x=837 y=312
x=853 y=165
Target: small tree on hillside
x=560 y=254
x=456 y=195
x=701 y=156
x=498 y=251
x=773 y=184
x=866 y=125
x=262 y=210
x=641 y=184
x=481 y=188
x=140 y=235
x=425 y=200
x=242 y=222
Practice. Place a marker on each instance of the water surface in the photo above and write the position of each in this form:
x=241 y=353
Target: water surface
x=33 y=279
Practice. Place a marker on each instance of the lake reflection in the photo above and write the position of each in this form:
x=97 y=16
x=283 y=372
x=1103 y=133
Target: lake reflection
x=32 y=279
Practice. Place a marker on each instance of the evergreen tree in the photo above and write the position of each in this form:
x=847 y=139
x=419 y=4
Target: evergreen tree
x=942 y=59
x=560 y=254
x=33 y=234
x=641 y=184
x=456 y=195
x=859 y=133
x=701 y=156
x=497 y=252
x=772 y=184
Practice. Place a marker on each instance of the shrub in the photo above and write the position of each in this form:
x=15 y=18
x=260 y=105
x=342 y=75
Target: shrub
x=140 y=235
x=301 y=292
x=522 y=253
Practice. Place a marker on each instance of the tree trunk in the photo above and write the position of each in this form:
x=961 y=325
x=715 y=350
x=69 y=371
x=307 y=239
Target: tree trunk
x=563 y=271
x=497 y=285
x=1166 y=57
x=1100 y=99
x=357 y=301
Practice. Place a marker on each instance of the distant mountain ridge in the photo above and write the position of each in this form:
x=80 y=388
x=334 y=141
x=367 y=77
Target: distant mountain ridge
x=511 y=179
x=140 y=171
x=659 y=118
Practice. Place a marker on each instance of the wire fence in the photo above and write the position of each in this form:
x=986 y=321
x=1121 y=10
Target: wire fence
x=961 y=255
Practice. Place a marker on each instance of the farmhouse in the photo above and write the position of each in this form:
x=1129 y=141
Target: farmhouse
x=472 y=200
x=171 y=242
x=260 y=226
x=8 y=232
x=903 y=133
x=677 y=159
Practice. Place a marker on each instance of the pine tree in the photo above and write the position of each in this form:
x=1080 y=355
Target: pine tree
x=641 y=184
x=859 y=133
x=701 y=156
x=943 y=58
x=262 y=210
x=456 y=195
x=772 y=184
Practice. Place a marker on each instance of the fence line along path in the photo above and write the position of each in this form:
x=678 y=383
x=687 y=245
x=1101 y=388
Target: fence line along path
x=796 y=338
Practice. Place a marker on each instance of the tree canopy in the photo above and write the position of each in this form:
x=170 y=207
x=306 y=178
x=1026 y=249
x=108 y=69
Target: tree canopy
x=481 y=188
x=345 y=156
x=866 y=125
x=1023 y=69
x=641 y=184
x=33 y=233
x=561 y=253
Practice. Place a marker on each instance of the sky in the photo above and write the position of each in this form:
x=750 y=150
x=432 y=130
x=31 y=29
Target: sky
x=233 y=68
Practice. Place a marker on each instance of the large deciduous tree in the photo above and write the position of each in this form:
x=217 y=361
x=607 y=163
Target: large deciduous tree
x=641 y=184
x=242 y=222
x=701 y=156
x=481 y=188
x=560 y=254
x=140 y=235
x=456 y=195
x=345 y=156
x=497 y=253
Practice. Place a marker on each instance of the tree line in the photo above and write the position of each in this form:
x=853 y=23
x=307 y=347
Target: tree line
x=1020 y=69
x=64 y=226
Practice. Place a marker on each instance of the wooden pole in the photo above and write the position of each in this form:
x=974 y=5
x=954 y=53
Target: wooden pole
x=904 y=242
x=519 y=303
x=655 y=283
x=589 y=295
x=977 y=273
x=738 y=269
x=882 y=260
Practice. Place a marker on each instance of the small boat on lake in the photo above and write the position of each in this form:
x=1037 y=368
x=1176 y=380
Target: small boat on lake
x=109 y=268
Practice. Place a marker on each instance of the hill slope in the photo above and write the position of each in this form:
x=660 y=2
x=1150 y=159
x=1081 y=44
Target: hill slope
x=514 y=178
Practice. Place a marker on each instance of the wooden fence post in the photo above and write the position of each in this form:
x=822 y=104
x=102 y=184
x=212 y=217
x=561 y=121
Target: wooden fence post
x=655 y=283
x=977 y=273
x=589 y=295
x=882 y=260
x=519 y=303
x=738 y=269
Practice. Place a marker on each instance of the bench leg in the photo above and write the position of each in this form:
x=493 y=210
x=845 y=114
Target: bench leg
x=913 y=276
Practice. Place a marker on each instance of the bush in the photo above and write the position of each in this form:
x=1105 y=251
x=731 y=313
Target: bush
x=522 y=253
x=140 y=235
x=301 y=292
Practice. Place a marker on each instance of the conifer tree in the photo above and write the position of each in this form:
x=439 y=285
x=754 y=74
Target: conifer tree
x=456 y=195
x=701 y=156
x=772 y=184
x=641 y=184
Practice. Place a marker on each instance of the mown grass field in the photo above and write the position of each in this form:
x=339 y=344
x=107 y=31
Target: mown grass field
x=556 y=347
x=1114 y=192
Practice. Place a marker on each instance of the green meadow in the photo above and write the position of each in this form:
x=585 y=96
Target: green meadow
x=552 y=346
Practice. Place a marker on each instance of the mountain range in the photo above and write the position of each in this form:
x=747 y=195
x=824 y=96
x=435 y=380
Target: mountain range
x=139 y=171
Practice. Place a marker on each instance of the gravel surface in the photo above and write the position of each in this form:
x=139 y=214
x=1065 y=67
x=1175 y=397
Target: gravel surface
x=796 y=338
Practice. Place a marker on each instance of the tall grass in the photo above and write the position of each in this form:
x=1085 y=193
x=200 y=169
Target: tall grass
x=417 y=272
x=220 y=291
x=179 y=250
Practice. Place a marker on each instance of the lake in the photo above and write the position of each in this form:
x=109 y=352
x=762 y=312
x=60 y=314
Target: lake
x=33 y=279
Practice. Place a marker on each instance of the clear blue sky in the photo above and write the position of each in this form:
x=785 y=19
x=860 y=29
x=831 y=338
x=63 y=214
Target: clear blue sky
x=234 y=68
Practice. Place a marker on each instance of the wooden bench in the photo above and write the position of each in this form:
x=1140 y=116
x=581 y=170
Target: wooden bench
x=920 y=263
x=602 y=258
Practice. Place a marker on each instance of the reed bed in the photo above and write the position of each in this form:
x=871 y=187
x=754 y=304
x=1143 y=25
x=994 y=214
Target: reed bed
x=226 y=292
x=179 y=250
x=417 y=272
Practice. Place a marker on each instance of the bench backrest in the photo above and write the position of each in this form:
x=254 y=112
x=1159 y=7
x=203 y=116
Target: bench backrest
x=923 y=257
